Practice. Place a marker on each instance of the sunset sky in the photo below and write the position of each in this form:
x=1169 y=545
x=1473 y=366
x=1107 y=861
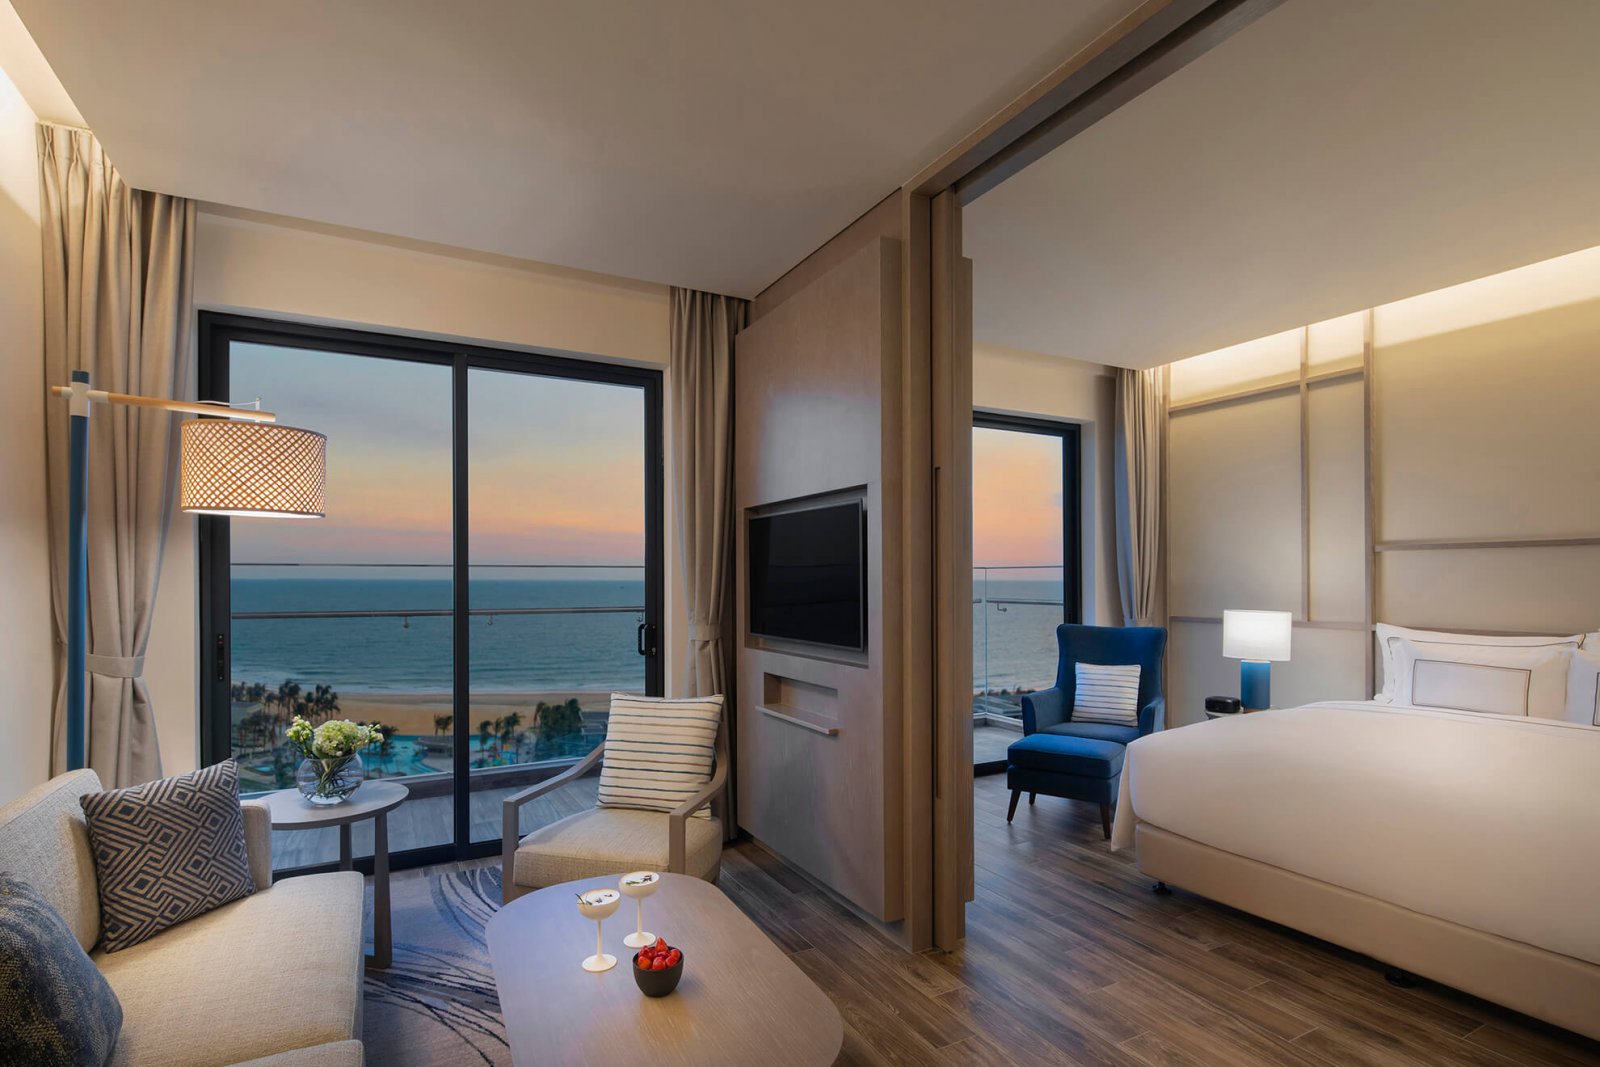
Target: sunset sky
x=556 y=468
x=556 y=475
x=1016 y=498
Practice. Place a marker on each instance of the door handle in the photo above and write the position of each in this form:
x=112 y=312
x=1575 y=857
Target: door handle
x=222 y=658
x=647 y=639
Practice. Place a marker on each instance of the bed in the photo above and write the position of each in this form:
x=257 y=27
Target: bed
x=1462 y=846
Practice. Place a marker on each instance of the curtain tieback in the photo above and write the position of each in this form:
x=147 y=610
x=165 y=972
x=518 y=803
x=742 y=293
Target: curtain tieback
x=114 y=666
x=705 y=631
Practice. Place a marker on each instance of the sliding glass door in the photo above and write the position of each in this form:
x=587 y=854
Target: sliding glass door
x=1026 y=537
x=489 y=570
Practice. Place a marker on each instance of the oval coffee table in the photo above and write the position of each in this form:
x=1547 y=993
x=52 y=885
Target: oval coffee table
x=373 y=800
x=741 y=1000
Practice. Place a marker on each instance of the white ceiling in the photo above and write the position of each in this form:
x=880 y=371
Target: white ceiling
x=1334 y=155
x=705 y=143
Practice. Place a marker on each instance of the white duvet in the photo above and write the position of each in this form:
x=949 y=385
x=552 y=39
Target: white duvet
x=1489 y=821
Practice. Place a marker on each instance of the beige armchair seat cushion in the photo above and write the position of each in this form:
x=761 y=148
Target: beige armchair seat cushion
x=273 y=972
x=605 y=841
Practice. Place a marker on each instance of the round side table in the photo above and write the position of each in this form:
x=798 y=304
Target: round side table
x=374 y=800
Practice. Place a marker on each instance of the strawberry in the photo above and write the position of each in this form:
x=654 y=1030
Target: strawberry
x=644 y=962
x=661 y=944
x=659 y=964
x=674 y=958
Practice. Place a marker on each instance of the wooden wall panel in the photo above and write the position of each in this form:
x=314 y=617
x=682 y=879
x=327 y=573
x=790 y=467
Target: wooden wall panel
x=817 y=396
x=1234 y=507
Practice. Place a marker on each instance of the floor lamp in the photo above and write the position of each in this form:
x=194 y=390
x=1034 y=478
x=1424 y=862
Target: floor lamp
x=234 y=461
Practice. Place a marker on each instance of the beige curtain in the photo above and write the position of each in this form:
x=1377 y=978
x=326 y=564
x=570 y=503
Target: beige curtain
x=1137 y=469
x=118 y=296
x=701 y=370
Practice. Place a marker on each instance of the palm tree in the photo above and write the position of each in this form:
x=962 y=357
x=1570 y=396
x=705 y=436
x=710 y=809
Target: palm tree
x=442 y=723
x=508 y=729
x=288 y=694
x=324 y=702
x=485 y=731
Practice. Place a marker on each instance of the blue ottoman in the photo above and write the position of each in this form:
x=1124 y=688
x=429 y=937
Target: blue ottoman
x=1076 y=768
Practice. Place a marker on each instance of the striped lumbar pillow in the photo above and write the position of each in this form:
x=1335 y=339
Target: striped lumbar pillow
x=1107 y=693
x=658 y=752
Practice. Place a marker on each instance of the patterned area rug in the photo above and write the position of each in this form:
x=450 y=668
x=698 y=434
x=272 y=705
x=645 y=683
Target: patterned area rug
x=437 y=1004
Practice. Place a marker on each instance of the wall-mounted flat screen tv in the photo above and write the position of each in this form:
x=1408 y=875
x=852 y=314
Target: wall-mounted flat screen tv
x=808 y=575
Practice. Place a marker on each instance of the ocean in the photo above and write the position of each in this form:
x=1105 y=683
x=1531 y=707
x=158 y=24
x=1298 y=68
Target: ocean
x=1013 y=643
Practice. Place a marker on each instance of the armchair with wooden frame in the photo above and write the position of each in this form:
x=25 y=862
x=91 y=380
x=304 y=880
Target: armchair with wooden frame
x=611 y=840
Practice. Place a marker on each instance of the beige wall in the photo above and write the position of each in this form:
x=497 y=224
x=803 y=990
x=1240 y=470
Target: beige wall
x=26 y=645
x=1012 y=382
x=1482 y=430
x=285 y=269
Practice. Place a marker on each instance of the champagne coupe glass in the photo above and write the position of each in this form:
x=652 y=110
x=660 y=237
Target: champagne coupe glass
x=599 y=905
x=639 y=885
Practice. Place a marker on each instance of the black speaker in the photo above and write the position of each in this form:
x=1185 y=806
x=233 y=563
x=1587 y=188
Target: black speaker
x=1223 y=705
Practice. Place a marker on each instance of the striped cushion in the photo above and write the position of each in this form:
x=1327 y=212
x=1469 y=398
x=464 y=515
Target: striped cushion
x=658 y=752
x=1107 y=693
x=167 y=851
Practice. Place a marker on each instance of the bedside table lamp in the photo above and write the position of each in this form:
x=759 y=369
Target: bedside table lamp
x=1255 y=639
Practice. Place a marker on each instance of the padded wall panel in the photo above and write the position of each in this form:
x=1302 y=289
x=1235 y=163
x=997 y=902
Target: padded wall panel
x=1324 y=665
x=1338 y=496
x=1266 y=361
x=1538 y=590
x=1490 y=431
x=1233 y=491
x=1336 y=344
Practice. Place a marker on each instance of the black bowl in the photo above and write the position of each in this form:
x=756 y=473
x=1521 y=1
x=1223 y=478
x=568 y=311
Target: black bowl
x=656 y=983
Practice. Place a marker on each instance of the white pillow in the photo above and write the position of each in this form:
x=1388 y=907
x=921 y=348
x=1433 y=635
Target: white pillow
x=658 y=752
x=1504 y=681
x=1389 y=635
x=1583 y=688
x=1107 y=693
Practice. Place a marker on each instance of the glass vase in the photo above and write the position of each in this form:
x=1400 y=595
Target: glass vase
x=329 y=781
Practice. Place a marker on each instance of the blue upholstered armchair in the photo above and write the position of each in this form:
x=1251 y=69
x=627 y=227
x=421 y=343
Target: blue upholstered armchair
x=1050 y=710
x=1083 y=760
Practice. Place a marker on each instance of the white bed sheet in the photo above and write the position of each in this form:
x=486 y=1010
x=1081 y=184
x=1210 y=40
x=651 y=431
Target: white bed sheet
x=1489 y=821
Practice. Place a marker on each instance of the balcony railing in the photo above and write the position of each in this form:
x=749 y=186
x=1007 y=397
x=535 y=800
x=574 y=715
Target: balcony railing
x=510 y=751
x=1016 y=610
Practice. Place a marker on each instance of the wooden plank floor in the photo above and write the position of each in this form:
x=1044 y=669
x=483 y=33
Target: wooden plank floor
x=1070 y=959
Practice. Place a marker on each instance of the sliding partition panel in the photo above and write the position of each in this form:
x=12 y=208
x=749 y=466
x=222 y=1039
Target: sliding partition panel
x=489 y=570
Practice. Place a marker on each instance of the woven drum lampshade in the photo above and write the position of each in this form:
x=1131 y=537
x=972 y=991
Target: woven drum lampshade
x=253 y=469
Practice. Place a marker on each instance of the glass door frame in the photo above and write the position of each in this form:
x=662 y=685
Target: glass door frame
x=1071 y=435
x=217 y=332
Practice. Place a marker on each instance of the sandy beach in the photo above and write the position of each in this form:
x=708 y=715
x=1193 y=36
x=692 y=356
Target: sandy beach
x=413 y=713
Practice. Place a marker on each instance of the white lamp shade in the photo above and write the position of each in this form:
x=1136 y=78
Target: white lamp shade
x=252 y=468
x=1256 y=635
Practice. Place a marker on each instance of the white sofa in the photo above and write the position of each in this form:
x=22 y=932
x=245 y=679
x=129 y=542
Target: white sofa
x=271 y=980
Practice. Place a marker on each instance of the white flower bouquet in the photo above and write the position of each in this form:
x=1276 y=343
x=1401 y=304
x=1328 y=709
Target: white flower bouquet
x=331 y=769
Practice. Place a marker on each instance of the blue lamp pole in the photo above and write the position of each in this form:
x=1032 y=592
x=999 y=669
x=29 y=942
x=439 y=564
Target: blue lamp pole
x=77 y=570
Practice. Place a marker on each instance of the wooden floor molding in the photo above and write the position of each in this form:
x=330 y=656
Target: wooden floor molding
x=1070 y=959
